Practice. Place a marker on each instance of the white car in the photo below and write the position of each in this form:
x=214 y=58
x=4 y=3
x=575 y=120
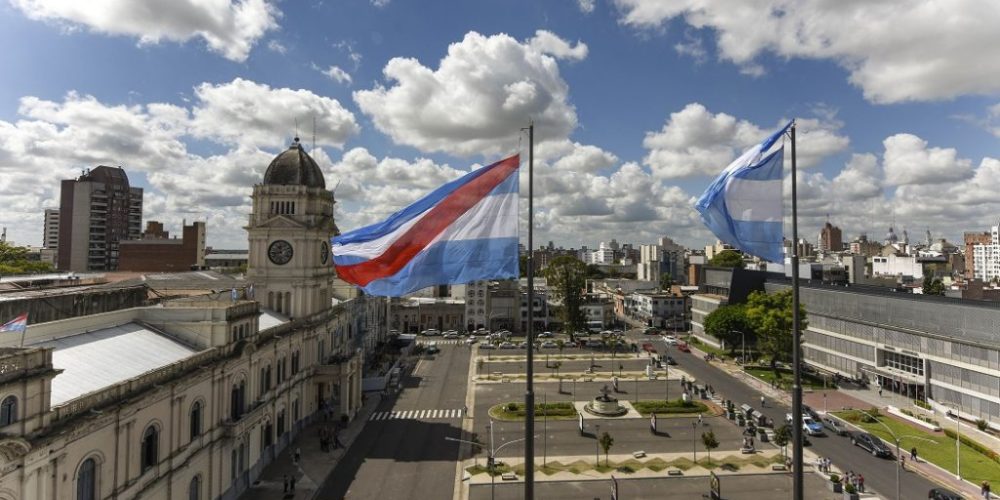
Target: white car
x=471 y=340
x=549 y=343
x=430 y=332
x=669 y=340
x=487 y=345
x=507 y=345
x=451 y=335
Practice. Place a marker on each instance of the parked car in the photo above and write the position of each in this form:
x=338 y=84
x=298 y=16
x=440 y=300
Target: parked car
x=471 y=340
x=943 y=494
x=809 y=411
x=871 y=444
x=811 y=427
x=683 y=347
x=549 y=344
x=430 y=332
x=594 y=343
x=545 y=335
x=522 y=345
x=507 y=345
x=486 y=345
x=835 y=426
x=670 y=360
x=451 y=335
x=433 y=348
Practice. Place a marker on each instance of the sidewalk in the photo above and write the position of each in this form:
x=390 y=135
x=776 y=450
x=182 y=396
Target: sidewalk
x=314 y=465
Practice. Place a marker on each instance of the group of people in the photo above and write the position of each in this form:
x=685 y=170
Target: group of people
x=328 y=435
x=856 y=480
x=823 y=464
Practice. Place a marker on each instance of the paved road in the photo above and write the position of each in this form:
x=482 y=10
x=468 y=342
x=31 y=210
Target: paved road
x=756 y=487
x=880 y=474
x=408 y=458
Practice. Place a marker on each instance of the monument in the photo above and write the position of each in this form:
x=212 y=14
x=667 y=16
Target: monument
x=605 y=405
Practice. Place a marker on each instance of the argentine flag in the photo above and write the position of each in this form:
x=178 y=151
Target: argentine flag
x=743 y=206
x=463 y=231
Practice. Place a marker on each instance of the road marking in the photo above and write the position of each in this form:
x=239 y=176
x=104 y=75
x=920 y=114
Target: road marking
x=429 y=414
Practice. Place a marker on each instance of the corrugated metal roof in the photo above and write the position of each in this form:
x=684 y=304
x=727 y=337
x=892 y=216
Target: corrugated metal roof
x=101 y=358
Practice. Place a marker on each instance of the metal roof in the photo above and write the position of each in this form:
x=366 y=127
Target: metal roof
x=270 y=318
x=101 y=358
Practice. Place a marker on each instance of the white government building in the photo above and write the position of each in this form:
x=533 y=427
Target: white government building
x=188 y=397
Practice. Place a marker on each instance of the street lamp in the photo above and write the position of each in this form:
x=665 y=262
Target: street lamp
x=694 y=446
x=491 y=458
x=958 y=439
x=597 y=444
x=896 y=439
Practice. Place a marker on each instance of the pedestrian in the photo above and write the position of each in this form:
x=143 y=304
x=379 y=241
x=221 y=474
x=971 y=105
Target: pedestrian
x=861 y=483
x=913 y=454
x=880 y=392
x=291 y=483
x=762 y=401
x=285 y=490
x=336 y=442
x=986 y=490
x=700 y=420
x=298 y=454
x=902 y=461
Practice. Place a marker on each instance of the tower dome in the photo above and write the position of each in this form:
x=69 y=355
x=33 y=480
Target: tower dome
x=294 y=167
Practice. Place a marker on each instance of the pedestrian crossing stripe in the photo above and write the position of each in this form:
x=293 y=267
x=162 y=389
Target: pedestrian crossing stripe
x=441 y=342
x=415 y=414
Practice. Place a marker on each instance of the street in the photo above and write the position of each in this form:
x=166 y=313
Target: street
x=407 y=457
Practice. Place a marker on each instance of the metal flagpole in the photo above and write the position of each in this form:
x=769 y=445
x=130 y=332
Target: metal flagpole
x=529 y=393
x=796 y=347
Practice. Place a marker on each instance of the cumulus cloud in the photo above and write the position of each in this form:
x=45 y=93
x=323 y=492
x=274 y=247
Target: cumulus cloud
x=482 y=93
x=336 y=74
x=908 y=160
x=229 y=27
x=250 y=113
x=694 y=141
x=926 y=50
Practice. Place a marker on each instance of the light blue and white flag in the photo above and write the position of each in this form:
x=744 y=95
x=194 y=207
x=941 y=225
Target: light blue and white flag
x=743 y=206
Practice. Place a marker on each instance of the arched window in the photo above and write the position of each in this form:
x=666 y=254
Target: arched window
x=150 y=443
x=195 y=420
x=194 y=491
x=8 y=411
x=237 y=402
x=86 y=480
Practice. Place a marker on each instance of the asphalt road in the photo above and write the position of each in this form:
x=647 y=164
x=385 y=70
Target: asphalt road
x=408 y=458
x=756 y=487
x=880 y=474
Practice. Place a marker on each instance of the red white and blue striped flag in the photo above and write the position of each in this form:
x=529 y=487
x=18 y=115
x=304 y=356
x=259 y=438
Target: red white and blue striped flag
x=463 y=231
x=18 y=324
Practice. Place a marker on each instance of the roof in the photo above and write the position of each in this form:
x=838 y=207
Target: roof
x=269 y=319
x=294 y=167
x=101 y=358
x=227 y=256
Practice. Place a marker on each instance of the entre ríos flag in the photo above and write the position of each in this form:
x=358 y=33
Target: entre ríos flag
x=18 y=324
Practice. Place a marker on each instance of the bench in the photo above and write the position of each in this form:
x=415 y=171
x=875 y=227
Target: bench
x=675 y=472
x=508 y=476
x=639 y=454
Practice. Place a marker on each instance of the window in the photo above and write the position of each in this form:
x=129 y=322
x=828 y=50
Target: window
x=194 y=491
x=195 y=420
x=295 y=362
x=8 y=411
x=150 y=443
x=237 y=401
x=86 y=480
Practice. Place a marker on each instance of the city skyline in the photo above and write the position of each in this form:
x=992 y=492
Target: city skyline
x=637 y=106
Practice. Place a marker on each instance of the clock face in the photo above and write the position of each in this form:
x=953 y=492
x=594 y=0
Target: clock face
x=280 y=252
x=324 y=252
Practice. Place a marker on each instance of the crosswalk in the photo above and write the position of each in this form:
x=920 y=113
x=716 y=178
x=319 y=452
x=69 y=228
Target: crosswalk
x=415 y=414
x=441 y=342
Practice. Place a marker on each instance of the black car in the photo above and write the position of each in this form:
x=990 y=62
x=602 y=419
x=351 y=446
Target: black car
x=943 y=494
x=669 y=360
x=871 y=444
x=809 y=411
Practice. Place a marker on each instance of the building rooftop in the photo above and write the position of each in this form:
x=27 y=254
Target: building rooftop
x=270 y=319
x=101 y=358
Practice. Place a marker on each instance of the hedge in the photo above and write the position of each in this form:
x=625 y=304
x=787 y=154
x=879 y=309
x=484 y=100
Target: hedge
x=988 y=452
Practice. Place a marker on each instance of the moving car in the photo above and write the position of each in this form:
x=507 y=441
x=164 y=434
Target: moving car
x=507 y=345
x=670 y=361
x=433 y=348
x=683 y=347
x=943 y=494
x=486 y=345
x=545 y=335
x=835 y=426
x=669 y=339
x=809 y=411
x=471 y=340
x=811 y=427
x=451 y=335
x=871 y=444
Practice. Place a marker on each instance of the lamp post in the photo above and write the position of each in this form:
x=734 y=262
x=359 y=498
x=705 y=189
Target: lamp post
x=545 y=429
x=666 y=382
x=491 y=457
x=694 y=445
x=597 y=444
x=896 y=439
x=958 y=439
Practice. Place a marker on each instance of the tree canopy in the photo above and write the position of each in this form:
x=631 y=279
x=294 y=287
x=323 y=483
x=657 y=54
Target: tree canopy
x=933 y=286
x=567 y=279
x=727 y=258
x=728 y=323
x=770 y=316
x=666 y=281
x=14 y=260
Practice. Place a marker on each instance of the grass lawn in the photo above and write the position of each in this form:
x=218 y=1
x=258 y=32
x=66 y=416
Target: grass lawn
x=516 y=411
x=976 y=467
x=730 y=462
x=785 y=378
x=646 y=407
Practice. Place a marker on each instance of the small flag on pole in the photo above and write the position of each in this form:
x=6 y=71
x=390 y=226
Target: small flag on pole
x=463 y=231
x=18 y=324
x=743 y=206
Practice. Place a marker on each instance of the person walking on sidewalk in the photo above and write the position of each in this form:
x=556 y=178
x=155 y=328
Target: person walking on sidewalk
x=762 y=401
x=913 y=454
x=298 y=455
x=285 y=490
x=291 y=483
x=861 y=483
x=986 y=490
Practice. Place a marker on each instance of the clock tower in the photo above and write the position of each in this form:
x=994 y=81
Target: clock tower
x=290 y=230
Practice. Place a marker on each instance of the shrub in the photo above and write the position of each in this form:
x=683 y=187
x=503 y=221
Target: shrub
x=625 y=469
x=834 y=478
x=511 y=406
x=922 y=404
x=904 y=411
x=850 y=489
x=981 y=424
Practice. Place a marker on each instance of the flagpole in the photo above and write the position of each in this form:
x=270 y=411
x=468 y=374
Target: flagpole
x=797 y=488
x=529 y=394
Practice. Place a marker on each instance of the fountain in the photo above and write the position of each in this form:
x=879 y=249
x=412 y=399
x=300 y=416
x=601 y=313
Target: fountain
x=605 y=405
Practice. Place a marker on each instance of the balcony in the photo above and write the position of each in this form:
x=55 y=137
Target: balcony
x=254 y=414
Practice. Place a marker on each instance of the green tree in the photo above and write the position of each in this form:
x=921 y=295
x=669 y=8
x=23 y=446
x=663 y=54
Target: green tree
x=933 y=286
x=14 y=260
x=727 y=322
x=561 y=344
x=594 y=272
x=666 y=280
x=567 y=279
x=727 y=258
x=770 y=316
x=606 y=443
x=782 y=435
x=523 y=265
x=708 y=439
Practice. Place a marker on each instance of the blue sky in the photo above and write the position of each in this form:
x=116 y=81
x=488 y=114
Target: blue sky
x=639 y=103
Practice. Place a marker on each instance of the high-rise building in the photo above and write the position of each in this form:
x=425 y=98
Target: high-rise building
x=50 y=234
x=986 y=257
x=664 y=257
x=971 y=240
x=158 y=252
x=830 y=238
x=96 y=211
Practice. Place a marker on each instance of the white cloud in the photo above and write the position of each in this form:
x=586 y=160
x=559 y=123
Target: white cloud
x=908 y=160
x=694 y=141
x=336 y=74
x=860 y=179
x=586 y=6
x=894 y=51
x=482 y=93
x=380 y=3
x=276 y=46
x=250 y=113
x=547 y=42
x=228 y=27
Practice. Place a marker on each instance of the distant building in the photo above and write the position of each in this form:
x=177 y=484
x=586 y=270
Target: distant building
x=225 y=259
x=861 y=246
x=97 y=211
x=664 y=257
x=157 y=252
x=971 y=240
x=830 y=239
x=50 y=233
x=897 y=265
